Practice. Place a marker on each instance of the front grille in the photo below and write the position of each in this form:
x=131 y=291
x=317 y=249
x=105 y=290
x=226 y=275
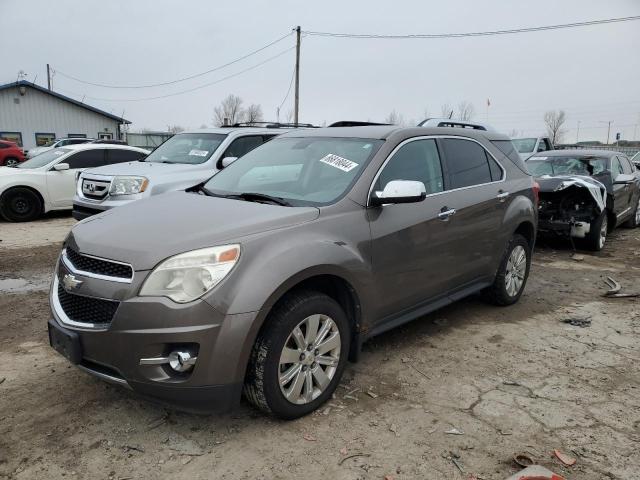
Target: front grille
x=98 y=266
x=95 y=189
x=86 y=309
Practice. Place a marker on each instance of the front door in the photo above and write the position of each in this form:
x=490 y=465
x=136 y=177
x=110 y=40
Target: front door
x=61 y=185
x=410 y=243
x=622 y=193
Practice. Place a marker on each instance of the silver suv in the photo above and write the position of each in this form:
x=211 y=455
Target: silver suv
x=184 y=160
x=269 y=276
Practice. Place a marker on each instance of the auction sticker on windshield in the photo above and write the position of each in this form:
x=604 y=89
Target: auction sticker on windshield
x=339 y=162
x=198 y=153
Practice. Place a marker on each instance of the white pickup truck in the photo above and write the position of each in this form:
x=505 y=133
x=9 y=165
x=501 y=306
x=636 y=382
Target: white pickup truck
x=527 y=146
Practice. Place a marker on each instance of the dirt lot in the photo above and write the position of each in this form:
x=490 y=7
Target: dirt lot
x=510 y=380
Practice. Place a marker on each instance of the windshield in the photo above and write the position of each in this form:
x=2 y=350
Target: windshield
x=524 y=145
x=50 y=143
x=191 y=148
x=44 y=158
x=569 y=165
x=302 y=171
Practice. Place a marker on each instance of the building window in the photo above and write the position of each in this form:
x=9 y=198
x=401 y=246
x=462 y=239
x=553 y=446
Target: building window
x=15 y=137
x=105 y=135
x=77 y=135
x=44 y=138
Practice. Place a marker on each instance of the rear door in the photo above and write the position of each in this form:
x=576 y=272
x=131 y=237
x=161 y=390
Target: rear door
x=410 y=252
x=476 y=201
x=61 y=185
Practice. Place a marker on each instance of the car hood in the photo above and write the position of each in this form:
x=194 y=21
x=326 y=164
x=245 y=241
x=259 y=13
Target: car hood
x=10 y=171
x=146 y=169
x=146 y=232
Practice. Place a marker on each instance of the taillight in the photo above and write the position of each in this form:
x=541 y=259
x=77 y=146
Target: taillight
x=536 y=192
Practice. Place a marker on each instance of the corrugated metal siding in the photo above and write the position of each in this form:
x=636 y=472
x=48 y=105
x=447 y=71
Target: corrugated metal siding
x=38 y=112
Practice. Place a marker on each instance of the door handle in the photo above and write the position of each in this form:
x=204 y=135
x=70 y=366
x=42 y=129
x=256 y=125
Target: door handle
x=445 y=214
x=502 y=196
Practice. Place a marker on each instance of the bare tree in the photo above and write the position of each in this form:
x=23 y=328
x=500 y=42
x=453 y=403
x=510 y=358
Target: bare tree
x=446 y=111
x=175 y=129
x=253 y=114
x=554 y=120
x=466 y=111
x=514 y=133
x=229 y=111
x=394 y=118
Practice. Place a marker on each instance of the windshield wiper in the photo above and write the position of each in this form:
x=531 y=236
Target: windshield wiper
x=251 y=197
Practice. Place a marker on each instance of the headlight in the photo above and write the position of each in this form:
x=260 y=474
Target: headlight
x=186 y=277
x=128 y=185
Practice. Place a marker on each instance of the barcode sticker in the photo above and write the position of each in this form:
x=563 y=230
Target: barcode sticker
x=339 y=162
x=198 y=153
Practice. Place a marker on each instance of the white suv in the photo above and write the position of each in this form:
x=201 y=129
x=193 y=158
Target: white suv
x=183 y=161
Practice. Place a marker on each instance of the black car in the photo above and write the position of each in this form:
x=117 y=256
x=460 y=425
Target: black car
x=585 y=194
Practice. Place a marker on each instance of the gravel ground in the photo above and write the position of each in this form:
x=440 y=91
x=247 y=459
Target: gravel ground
x=508 y=380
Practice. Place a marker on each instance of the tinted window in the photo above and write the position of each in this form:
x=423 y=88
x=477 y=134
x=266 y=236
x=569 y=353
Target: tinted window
x=44 y=158
x=87 y=159
x=243 y=145
x=121 y=156
x=626 y=165
x=494 y=168
x=417 y=160
x=76 y=142
x=4 y=145
x=467 y=163
x=616 y=167
x=543 y=146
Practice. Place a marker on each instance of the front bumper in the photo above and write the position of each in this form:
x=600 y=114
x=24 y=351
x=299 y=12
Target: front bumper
x=150 y=327
x=83 y=208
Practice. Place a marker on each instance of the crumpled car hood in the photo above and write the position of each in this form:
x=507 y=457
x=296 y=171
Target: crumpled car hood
x=558 y=183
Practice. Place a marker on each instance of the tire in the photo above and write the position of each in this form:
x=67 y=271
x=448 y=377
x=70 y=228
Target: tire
x=11 y=162
x=262 y=384
x=512 y=274
x=634 y=220
x=597 y=235
x=20 y=204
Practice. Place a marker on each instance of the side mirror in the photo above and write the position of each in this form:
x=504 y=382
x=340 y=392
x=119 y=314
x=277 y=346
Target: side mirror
x=226 y=161
x=399 y=191
x=624 y=179
x=59 y=167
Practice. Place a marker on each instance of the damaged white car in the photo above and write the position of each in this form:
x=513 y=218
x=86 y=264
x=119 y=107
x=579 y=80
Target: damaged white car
x=584 y=194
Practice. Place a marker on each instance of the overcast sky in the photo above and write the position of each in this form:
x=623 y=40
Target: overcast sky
x=591 y=72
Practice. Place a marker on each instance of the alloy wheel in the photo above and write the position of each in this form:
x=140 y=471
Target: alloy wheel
x=516 y=270
x=11 y=163
x=603 y=232
x=309 y=359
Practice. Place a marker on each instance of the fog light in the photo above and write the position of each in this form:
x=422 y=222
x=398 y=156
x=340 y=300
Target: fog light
x=181 y=361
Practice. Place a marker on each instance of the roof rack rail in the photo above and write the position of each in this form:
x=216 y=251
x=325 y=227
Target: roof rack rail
x=269 y=125
x=447 y=122
x=354 y=123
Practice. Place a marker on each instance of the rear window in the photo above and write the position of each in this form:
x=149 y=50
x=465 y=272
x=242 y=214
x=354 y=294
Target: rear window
x=509 y=149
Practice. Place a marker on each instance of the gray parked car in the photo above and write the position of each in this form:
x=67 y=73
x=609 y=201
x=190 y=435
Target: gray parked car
x=273 y=273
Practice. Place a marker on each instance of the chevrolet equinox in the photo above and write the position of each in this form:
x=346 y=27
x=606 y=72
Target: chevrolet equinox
x=269 y=276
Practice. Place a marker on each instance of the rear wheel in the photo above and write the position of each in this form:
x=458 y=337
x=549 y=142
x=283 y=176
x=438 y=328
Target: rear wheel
x=20 y=204
x=634 y=220
x=597 y=235
x=11 y=162
x=512 y=274
x=298 y=359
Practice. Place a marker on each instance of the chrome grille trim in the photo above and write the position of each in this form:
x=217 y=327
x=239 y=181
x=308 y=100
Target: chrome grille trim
x=63 y=318
x=72 y=268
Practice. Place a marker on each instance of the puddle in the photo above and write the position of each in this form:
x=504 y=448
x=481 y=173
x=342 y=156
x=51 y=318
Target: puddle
x=21 y=285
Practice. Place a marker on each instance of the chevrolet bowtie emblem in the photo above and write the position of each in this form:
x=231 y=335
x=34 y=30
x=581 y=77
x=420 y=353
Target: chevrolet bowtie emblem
x=70 y=282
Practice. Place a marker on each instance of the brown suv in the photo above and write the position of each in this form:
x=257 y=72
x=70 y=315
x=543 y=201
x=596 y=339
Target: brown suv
x=268 y=276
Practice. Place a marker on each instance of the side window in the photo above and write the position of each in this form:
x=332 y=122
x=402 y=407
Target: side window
x=87 y=159
x=417 y=160
x=115 y=155
x=616 y=167
x=543 y=146
x=467 y=163
x=4 y=145
x=243 y=145
x=626 y=165
x=494 y=168
x=44 y=138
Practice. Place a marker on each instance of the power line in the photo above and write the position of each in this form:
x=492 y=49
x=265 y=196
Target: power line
x=191 y=89
x=293 y=75
x=472 y=34
x=211 y=70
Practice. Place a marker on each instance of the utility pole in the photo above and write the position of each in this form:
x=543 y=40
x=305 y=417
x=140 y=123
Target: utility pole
x=297 y=92
x=48 y=77
x=608 y=122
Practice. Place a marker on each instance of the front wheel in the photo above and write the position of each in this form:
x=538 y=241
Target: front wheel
x=299 y=356
x=597 y=235
x=20 y=204
x=11 y=162
x=512 y=274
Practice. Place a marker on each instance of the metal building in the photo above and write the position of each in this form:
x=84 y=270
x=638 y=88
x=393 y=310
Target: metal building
x=31 y=116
